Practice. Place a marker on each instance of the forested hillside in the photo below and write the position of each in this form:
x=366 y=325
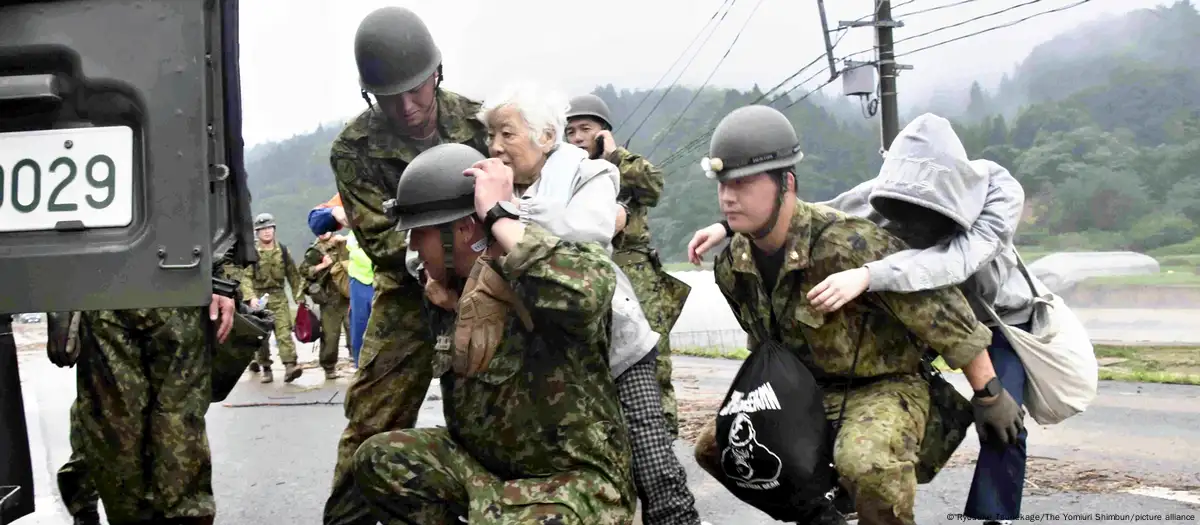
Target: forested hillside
x=1099 y=124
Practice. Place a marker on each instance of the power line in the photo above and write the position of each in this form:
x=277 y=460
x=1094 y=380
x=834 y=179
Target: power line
x=676 y=81
x=693 y=145
x=935 y=8
x=993 y=28
x=967 y=21
x=695 y=96
x=673 y=64
x=699 y=139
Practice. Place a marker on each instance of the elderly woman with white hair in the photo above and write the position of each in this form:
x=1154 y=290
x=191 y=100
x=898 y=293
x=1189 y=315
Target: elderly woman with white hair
x=559 y=188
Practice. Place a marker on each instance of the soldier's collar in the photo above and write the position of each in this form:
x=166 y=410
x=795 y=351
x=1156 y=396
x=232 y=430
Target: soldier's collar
x=455 y=117
x=795 y=246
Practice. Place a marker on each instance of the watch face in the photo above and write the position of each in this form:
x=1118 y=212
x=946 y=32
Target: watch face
x=510 y=208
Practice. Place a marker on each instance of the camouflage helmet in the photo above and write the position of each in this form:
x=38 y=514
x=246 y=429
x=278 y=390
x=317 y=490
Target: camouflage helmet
x=590 y=106
x=394 y=51
x=751 y=140
x=263 y=221
x=433 y=190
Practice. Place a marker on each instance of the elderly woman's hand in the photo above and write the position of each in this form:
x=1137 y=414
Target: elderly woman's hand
x=493 y=183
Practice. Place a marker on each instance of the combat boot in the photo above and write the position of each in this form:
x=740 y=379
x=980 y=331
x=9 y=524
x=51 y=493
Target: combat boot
x=330 y=374
x=266 y=375
x=254 y=368
x=291 y=371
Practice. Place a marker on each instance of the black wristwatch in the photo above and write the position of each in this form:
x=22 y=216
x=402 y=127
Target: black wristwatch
x=991 y=389
x=502 y=210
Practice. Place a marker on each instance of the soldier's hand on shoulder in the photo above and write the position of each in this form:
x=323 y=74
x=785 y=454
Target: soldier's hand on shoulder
x=493 y=183
x=703 y=241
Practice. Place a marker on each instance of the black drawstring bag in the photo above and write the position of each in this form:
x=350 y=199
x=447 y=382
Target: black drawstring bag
x=775 y=442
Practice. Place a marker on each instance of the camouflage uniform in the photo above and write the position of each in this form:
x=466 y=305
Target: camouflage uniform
x=78 y=492
x=661 y=295
x=537 y=437
x=143 y=391
x=269 y=276
x=395 y=367
x=335 y=309
x=883 y=436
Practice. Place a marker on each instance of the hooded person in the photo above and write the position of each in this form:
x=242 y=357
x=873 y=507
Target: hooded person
x=959 y=217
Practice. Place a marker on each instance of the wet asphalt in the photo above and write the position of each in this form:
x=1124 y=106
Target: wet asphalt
x=274 y=448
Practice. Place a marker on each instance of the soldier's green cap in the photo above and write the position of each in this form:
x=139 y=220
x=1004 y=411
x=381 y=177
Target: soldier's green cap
x=433 y=190
x=751 y=140
x=590 y=106
x=394 y=51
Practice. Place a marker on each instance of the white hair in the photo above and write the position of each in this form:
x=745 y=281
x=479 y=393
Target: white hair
x=544 y=110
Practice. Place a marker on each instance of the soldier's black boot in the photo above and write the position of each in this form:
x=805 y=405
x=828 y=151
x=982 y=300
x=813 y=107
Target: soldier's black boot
x=254 y=367
x=267 y=377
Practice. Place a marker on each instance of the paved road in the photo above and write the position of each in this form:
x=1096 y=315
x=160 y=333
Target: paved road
x=272 y=464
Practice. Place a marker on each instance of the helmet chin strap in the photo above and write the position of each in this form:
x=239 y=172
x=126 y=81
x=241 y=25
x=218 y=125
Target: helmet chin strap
x=769 y=226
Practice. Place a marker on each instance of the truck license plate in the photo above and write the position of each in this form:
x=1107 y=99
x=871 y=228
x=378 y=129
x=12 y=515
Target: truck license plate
x=79 y=178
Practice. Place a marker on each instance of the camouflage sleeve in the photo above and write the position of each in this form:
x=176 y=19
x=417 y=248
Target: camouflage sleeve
x=723 y=274
x=293 y=277
x=941 y=318
x=641 y=182
x=363 y=201
x=571 y=284
x=232 y=272
x=245 y=277
x=306 y=269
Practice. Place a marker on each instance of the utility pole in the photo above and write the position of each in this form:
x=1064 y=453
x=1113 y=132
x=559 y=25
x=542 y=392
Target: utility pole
x=885 y=62
x=833 y=71
x=890 y=112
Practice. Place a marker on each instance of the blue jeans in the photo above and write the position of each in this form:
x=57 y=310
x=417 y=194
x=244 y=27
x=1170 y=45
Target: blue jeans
x=360 y=310
x=1000 y=472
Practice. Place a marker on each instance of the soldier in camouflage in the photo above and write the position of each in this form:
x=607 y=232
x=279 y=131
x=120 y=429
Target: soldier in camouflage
x=138 y=435
x=399 y=64
x=871 y=348
x=75 y=486
x=534 y=426
x=589 y=126
x=274 y=270
x=323 y=264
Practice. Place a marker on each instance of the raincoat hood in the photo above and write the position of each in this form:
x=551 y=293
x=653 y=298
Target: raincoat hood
x=928 y=166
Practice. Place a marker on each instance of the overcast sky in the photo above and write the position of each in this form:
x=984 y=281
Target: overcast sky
x=298 y=60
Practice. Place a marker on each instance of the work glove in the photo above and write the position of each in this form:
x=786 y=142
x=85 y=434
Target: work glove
x=482 y=316
x=999 y=420
x=62 y=341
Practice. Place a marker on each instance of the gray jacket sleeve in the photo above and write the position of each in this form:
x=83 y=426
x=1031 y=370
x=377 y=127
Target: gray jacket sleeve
x=953 y=262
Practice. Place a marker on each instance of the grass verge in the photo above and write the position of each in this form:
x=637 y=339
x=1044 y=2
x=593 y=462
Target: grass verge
x=1178 y=365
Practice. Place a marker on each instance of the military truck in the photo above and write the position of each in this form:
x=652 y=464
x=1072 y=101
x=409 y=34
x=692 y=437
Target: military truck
x=121 y=175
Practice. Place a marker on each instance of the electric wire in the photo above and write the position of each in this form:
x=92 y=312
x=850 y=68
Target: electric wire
x=673 y=64
x=696 y=95
x=681 y=72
